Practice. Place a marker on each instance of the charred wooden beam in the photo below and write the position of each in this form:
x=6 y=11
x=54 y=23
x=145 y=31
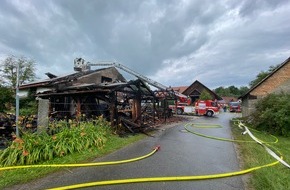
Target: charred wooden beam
x=101 y=91
x=78 y=111
x=113 y=108
x=130 y=125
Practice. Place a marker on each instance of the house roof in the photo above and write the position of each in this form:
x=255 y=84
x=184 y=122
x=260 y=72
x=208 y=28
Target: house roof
x=52 y=80
x=273 y=72
x=191 y=88
x=180 y=89
x=131 y=87
x=228 y=99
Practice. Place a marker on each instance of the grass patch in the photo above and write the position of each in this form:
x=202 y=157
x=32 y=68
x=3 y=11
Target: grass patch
x=18 y=176
x=252 y=155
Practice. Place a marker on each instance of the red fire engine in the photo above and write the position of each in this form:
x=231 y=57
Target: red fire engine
x=201 y=107
x=206 y=107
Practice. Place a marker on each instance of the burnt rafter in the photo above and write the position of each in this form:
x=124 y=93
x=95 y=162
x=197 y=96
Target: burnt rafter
x=134 y=87
x=168 y=94
x=55 y=93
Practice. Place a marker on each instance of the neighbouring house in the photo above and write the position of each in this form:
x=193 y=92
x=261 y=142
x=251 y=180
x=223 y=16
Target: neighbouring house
x=195 y=89
x=228 y=99
x=277 y=81
x=180 y=89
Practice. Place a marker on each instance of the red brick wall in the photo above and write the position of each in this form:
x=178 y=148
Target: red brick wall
x=271 y=84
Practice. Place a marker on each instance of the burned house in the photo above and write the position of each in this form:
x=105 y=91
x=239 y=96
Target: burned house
x=91 y=93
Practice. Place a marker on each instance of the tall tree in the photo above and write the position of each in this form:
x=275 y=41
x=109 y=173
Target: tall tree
x=263 y=74
x=205 y=95
x=231 y=91
x=243 y=90
x=258 y=78
x=220 y=91
x=8 y=70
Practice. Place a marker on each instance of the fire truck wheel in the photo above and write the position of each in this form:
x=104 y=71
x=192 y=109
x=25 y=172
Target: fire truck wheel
x=179 y=111
x=209 y=113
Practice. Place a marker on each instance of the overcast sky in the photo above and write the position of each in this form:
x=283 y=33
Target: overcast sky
x=175 y=42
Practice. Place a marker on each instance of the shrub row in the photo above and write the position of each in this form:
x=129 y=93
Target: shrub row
x=273 y=114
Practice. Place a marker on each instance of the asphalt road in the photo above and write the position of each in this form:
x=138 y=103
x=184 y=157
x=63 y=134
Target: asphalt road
x=181 y=154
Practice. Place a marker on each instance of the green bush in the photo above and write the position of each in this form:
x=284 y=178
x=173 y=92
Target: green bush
x=273 y=114
x=28 y=106
x=30 y=109
x=32 y=147
x=6 y=97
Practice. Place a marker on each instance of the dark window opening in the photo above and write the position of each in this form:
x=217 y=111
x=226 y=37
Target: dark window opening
x=106 y=79
x=194 y=98
x=252 y=97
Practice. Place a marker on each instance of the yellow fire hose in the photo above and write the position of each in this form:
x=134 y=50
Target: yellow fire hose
x=85 y=164
x=179 y=178
x=163 y=179
x=208 y=125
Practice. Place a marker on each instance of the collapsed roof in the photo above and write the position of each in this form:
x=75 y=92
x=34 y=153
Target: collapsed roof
x=87 y=80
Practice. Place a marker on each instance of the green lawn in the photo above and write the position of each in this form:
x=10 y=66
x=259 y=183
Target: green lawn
x=18 y=176
x=252 y=154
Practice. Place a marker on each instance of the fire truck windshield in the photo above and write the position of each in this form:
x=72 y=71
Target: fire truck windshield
x=214 y=104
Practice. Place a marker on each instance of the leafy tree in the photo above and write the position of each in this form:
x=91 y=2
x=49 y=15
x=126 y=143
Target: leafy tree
x=8 y=70
x=258 y=78
x=6 y=97
x=231 y=91
x=243 y=90
x=262 y=75
x=220 y=91
x=205 y=95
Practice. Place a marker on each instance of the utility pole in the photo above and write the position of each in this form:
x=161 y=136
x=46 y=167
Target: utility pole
x=17 y=100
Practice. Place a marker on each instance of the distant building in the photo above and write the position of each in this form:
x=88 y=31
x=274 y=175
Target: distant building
x=276 y=82
x=194 y=91
x=228 y=99
x=180 y=89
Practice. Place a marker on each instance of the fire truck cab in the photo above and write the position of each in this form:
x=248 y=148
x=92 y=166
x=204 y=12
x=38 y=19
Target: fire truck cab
x=206 y=107
x=201 y=107
x=182 y=106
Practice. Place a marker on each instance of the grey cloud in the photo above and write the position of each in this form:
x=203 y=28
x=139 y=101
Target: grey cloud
x=252 y=7
x=151 y=36
x=125 y=38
